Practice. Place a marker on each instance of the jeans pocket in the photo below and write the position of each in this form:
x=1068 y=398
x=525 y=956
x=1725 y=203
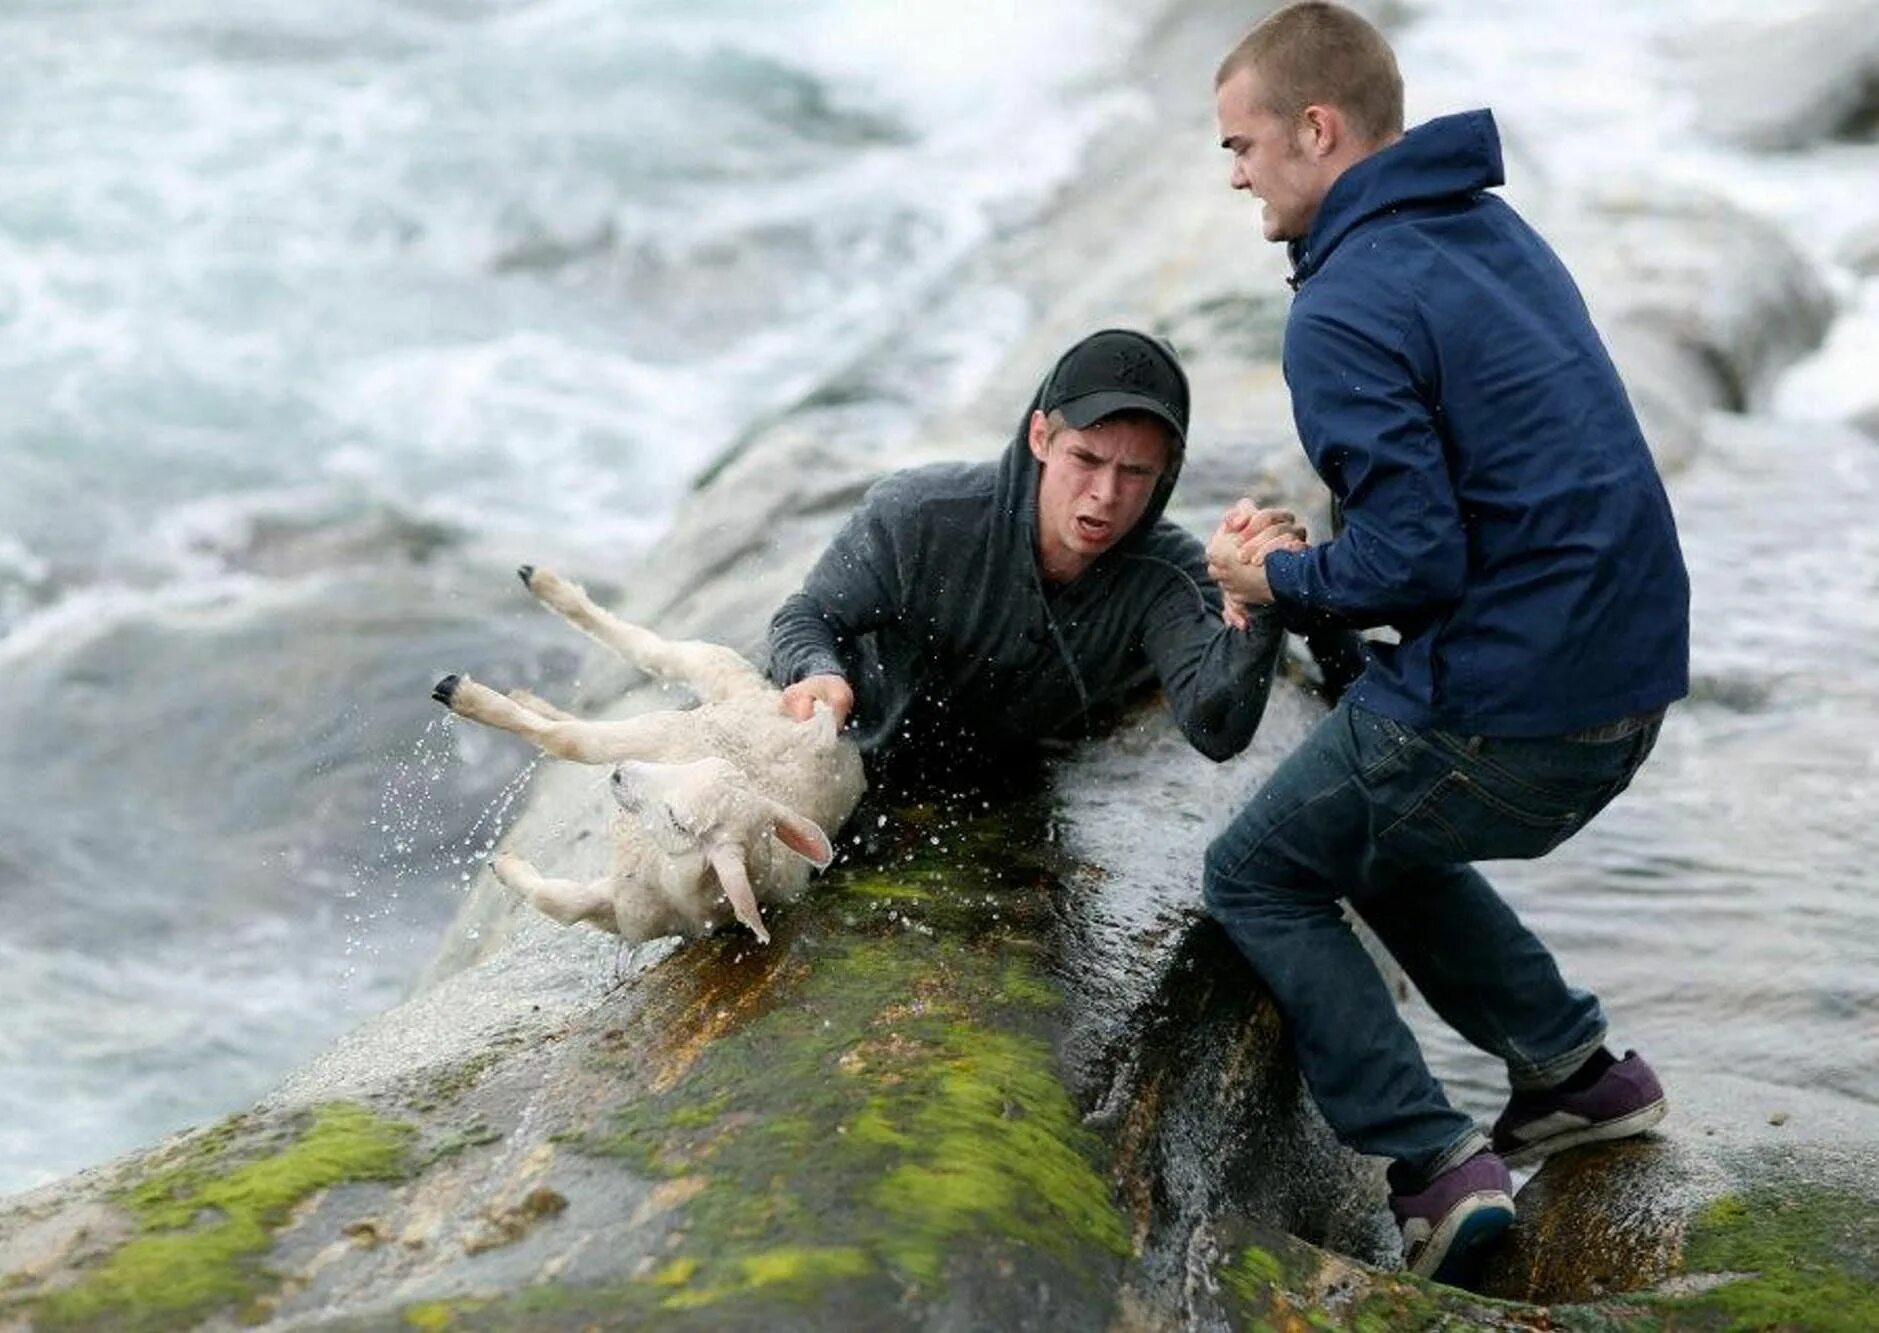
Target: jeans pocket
x=1382 y=745
x=1463 y=819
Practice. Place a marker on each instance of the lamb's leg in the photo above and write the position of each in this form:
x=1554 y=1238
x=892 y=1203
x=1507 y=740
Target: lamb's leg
x=536 y=704
x=712 y=671
x=649 y=736
x=566 y=900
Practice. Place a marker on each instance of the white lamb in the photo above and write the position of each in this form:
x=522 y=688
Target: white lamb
x=706 y=793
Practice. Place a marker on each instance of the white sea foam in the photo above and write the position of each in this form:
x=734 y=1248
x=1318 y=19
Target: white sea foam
x=68 y=624
x=1839 y=381
x=18 y=562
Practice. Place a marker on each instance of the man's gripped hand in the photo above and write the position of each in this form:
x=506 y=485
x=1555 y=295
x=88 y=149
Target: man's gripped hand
x=800 y=699
x=1254 y=524
x=1236 y=555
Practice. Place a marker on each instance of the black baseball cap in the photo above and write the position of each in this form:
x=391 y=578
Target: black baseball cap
x=1118 y=370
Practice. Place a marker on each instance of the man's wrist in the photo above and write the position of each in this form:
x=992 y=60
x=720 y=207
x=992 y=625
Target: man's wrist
x=819 y=666
x=1282 y=570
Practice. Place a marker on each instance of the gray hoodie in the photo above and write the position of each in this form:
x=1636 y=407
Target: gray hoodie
x=930 y=603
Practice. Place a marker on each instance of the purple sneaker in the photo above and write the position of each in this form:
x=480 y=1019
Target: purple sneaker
x=1448 y=1227
x=1627 y=1100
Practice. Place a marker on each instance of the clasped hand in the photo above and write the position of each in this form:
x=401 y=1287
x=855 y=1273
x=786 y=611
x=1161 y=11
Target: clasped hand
x=1236 y=555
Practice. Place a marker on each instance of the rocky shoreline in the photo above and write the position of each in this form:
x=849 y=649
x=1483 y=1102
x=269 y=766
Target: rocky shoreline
x=997 y=1072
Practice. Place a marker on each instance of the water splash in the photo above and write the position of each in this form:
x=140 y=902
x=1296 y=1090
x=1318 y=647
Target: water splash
x=415 y=801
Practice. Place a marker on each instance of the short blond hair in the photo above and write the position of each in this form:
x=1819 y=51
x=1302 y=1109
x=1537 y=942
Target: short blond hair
x=1317 y=53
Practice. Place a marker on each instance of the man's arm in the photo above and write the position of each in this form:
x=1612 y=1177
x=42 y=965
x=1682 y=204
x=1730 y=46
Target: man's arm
x=1216 y=678
x=855 y=586
x=1403 y=553
x=1336 y=648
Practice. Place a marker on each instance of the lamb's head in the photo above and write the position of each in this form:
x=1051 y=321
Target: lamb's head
x=710 y=807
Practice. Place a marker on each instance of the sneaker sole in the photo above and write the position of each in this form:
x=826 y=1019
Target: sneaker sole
x=1624 y=1127
x=1454 y=1251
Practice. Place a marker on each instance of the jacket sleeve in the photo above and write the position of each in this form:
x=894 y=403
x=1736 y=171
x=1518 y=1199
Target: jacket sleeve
x=1402 y=555
x=1216 y=679
x=854 y=587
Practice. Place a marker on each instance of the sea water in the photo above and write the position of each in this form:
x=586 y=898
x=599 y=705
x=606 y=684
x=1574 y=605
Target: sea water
x=313 y=323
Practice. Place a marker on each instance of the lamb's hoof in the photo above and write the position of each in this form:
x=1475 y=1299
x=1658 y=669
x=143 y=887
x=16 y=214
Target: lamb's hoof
x=525 y=573
x=445 y=690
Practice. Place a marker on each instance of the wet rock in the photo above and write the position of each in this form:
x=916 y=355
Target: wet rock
x=1860 y=250
x=1791 y=78
x=1167 y=1021
x=190 y=1221
x=1754 y=1199
x=869 y=1116
x=1721 y=1223
x=1742 y=1237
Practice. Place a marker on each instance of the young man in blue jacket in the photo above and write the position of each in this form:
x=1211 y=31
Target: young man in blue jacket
x=1502 y=514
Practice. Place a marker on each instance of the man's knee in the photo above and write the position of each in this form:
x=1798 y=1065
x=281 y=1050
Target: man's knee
x=1229 y=879
x=1215 y=887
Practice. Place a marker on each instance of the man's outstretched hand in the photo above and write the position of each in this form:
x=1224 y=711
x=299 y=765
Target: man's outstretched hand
x=800 y=699
x=1236 y=555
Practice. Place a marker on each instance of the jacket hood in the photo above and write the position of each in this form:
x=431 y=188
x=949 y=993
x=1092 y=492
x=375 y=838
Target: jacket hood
x=1440 y=159
x=1019 y=473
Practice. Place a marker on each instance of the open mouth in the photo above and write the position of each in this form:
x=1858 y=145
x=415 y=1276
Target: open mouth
x=1093 y=529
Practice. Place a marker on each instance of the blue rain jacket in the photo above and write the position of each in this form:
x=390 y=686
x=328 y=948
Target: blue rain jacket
x=1501 y=509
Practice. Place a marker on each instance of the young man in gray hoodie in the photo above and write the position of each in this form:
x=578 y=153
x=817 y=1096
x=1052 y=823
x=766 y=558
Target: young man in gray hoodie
x=969 y=611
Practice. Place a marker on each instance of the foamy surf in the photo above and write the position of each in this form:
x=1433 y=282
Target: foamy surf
x=320 y=322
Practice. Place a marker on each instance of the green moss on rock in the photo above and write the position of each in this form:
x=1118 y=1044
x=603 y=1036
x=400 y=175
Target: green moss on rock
x=1252 y=1273
x=897 y=1100
x=879 y=1105
x=437 y=1316
x=1809 y=1259
x=445 y=1086
x=788 y=1271
x=1789 y=1260
x=206 y=1222
x=1275 y=1283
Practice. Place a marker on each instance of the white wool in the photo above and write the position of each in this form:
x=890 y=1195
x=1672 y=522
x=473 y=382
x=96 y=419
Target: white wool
x=697 y=785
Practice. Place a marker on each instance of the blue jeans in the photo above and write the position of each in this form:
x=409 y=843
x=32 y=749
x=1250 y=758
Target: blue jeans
x=1389 y=817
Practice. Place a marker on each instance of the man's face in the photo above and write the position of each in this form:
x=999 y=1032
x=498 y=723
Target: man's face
x=1269 y=159
x=1095 y=485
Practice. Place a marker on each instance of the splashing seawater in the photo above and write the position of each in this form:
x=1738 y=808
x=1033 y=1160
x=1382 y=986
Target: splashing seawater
x=413 y=804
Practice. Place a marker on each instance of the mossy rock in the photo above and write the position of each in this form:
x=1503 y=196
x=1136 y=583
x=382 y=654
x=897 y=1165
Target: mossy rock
x=1706 y=1235
x=1790 y=1252
x=867 y=1116
x=203 y=1215
x=871 y=1124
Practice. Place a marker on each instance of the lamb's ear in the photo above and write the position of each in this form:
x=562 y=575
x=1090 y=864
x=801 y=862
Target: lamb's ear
x=802 y=836
x=728 y=860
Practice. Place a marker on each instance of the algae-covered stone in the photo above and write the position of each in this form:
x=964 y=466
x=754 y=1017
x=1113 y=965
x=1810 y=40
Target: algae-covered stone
x=1268 y=1282
x=867 y=1116
x=204 y=1217
x=1703 y=1231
